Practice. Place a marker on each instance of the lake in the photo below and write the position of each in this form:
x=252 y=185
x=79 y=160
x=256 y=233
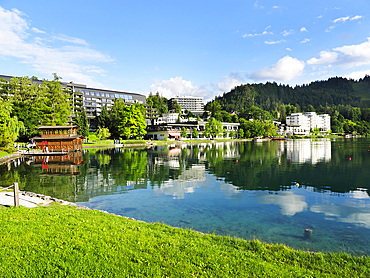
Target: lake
x=310 y=194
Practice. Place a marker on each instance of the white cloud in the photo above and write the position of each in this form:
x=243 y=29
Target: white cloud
x=346 y=18
x=356 y=75
x=287 y=33
x=288 y=49
x=341 y=19
x=326 y=57
x=305 y=40
x=265 y=32
x=70 y=61
x=275 y=7
x=34 y=29
x=69 y=39
x=228 y=83
x=357 y=17
x=303 y=29
x=285 y=69
x=177 y=86
x=274 y=42
x=346 y=56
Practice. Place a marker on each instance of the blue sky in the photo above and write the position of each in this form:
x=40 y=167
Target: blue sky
x=200 y=48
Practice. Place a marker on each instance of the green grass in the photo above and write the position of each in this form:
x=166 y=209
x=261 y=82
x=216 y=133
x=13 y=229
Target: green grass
x=62 y=241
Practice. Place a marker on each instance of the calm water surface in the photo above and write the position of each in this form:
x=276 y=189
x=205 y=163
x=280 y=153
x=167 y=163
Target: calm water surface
x=271 y=191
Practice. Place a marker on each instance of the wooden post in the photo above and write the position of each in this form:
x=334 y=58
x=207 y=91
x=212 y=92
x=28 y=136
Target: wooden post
x=16 y=195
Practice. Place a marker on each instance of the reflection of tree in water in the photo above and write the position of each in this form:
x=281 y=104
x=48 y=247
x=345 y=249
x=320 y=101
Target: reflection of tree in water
x=246 y=165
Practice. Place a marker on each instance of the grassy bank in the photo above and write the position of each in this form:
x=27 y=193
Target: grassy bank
x=60 y=241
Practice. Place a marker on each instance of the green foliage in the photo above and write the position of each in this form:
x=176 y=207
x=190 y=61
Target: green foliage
x=156 y=101
x=102 y=133
x=241 y=133
x=10 y=127
x=103 y=118
x=127 y=121
x=82 y=121
x=195 y=133
x=56 y=107
x=176 y=108
x=61 y=241
x=257 y=128
x=184 y=133
x=213 y=128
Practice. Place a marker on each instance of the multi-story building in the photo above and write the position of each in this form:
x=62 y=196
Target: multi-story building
x=193 y=104
x=95 y=99
x=304 y=124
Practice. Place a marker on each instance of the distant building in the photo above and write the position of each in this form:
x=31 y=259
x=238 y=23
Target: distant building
x=304 y=124
x=193 y=104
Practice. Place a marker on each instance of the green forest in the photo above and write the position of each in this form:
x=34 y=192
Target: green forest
x=346 y=101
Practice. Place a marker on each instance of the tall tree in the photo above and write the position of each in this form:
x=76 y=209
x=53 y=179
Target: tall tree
x=57 y=107
x=127 y=120
x=103 y=118
x=213 y=127
x=159 y=102
x=82 y=121
x=10 y=127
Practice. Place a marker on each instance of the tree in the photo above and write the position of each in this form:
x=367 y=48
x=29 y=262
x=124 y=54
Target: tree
x=25 y=97
x=184 y=132
x=213 y=127
x=56 y=105
x=156 y=101
x=102 y=133
x=127 y=120
x=82 y=122
x=232 y=134
x=195 y=133
x=241 y=133
x=10 y=127
x=103 y=118
x=176 y=108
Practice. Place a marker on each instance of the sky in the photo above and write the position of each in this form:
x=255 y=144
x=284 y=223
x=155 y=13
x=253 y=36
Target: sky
x=199 y=48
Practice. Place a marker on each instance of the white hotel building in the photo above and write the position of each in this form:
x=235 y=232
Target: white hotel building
x=304 y=124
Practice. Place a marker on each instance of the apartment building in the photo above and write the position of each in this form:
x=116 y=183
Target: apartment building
x=304 y=124
x=192 y=104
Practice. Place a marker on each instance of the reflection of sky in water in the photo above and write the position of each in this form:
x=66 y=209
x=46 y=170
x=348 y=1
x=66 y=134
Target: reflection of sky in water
x=289 y=203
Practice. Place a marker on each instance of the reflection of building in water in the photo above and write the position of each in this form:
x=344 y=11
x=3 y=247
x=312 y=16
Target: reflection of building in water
x=307 y=151
x=60 y=165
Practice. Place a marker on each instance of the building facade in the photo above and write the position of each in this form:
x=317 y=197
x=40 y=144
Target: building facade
x=193 y=104
x=304 y=124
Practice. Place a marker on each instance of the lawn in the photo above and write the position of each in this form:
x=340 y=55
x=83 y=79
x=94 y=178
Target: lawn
x=62 y=241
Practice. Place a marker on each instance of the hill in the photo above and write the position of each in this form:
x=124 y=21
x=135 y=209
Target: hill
x=332 y=92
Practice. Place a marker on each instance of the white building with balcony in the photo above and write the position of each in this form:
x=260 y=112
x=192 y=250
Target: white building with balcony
x=304 y=124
